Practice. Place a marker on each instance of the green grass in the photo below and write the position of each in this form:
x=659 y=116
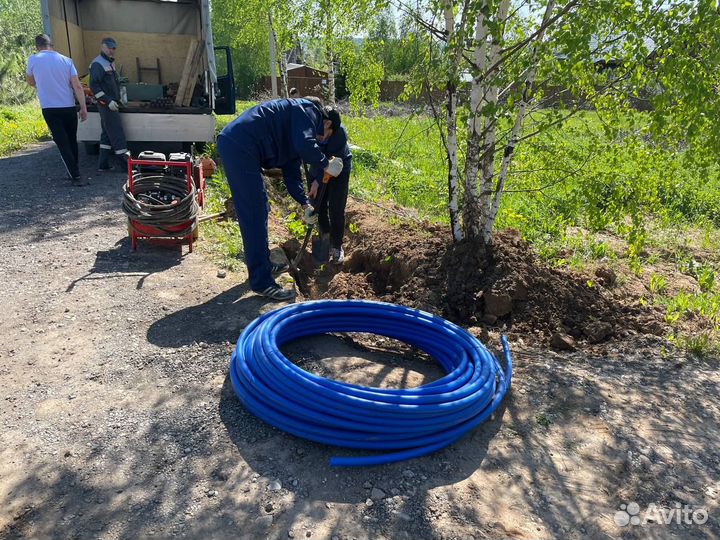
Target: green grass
x=19 y=126
x=222 y=239
x=399 y=159
x=704 y=344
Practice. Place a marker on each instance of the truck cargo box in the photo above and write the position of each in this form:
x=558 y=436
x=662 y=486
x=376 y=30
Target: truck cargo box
x=161 y=44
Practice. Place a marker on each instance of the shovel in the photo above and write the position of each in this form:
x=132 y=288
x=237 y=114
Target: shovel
x=319 y=199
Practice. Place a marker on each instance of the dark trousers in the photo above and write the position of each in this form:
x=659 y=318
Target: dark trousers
x=112 y=135
x=331 y=213
x=63 y=123
x=242 y=170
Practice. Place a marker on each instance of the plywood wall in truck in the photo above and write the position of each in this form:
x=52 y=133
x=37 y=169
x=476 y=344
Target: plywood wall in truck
x=76 y=48
x=171 y=49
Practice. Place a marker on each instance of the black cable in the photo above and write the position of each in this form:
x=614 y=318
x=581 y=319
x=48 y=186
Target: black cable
x=183 y=209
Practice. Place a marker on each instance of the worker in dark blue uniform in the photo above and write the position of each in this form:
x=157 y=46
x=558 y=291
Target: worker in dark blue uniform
x=277 y=134
x=331 y=210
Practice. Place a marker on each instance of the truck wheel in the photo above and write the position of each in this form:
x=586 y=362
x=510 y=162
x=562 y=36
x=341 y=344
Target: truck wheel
x=91 y=148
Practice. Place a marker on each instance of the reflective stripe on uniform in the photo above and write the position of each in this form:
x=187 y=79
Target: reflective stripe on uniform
x=106 y=147
x=123 y=151
x=99 y=94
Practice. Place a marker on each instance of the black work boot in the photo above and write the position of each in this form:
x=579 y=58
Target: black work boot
x=79 y=181
x=122 y=160
x=104 y=159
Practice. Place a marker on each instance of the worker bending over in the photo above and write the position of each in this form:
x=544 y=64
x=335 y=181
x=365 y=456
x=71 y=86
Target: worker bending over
x=105 y=86
x=276 y=134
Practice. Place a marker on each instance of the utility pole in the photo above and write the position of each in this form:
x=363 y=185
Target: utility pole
x=273 y=59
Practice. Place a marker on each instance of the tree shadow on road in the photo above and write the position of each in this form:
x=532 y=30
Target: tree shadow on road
x=218 y=320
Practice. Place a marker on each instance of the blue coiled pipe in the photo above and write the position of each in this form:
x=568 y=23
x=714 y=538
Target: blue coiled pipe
x=404 y=423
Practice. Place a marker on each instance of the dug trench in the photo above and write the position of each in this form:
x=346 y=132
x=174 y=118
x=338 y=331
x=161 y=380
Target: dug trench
x=392 y=256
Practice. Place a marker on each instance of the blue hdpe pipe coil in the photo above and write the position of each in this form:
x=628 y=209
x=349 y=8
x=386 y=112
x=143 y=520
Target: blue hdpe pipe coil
x=399 y=423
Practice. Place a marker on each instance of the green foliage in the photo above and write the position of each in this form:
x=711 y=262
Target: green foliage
x=686 y=305
x=395 y=47
x=295 y=225
x=543 y=419
x=19 y=24
x=703 y=344
x=706 y=278
x=20 y=126
x=398 y=161
x=222 y=241
x=363 y=74
x=658 y=283
x=240 y=26
x=663 y=55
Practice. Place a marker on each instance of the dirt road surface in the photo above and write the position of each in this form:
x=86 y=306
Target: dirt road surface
x=119 y=421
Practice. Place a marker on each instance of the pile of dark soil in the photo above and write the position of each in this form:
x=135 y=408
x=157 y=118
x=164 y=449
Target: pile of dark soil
x=394 y=258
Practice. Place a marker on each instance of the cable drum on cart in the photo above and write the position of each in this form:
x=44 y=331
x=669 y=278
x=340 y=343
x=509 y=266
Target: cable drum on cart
x=160 y=205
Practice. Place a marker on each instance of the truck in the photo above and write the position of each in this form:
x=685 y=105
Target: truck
x=173 y=75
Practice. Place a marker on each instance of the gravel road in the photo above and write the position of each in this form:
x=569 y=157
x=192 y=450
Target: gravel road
x=119 y=421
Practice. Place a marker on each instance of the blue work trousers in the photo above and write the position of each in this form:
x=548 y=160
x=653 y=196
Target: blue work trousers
x=241 y=163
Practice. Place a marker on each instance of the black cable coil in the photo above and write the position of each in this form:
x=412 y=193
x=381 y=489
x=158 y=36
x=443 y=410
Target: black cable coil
x=161 y=201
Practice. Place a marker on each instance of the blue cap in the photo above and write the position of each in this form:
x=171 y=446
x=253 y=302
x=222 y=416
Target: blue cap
x=109 y=42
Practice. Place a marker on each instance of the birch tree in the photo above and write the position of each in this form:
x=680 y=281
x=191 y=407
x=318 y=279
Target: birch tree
x=334 y=23
x=513 y=53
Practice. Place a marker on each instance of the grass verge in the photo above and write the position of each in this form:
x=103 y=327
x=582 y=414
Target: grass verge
x=19 y=126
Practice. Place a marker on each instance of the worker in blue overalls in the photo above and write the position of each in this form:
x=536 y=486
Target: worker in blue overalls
x=276 y=134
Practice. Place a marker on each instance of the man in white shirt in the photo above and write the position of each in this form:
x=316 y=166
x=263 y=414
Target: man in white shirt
x=57 y=83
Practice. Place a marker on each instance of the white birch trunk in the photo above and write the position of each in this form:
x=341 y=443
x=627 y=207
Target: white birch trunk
x=471 y=208
x=451 y=106
x=273 y=58
x=509 y=152
x=331 y=76
x=490 y=126
x=330 y=57
x=283 y=75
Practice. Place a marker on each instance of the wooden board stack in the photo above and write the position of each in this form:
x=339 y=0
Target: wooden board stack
x=194 y=62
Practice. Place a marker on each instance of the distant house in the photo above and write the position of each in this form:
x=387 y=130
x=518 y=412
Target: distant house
x=308 y=80
x=303 y=71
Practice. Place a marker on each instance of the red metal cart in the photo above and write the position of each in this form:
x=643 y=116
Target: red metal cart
x=194 y=175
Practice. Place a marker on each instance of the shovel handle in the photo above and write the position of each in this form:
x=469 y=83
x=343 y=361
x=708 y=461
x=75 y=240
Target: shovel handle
x=319 y=198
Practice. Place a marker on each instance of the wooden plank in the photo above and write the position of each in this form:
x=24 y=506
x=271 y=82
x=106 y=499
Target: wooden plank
x=198 y=62
x=186 y=73
x=182 y=86
x=196 y=69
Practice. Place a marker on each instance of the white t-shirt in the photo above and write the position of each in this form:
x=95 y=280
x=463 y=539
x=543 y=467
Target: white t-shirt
x=52 y=72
